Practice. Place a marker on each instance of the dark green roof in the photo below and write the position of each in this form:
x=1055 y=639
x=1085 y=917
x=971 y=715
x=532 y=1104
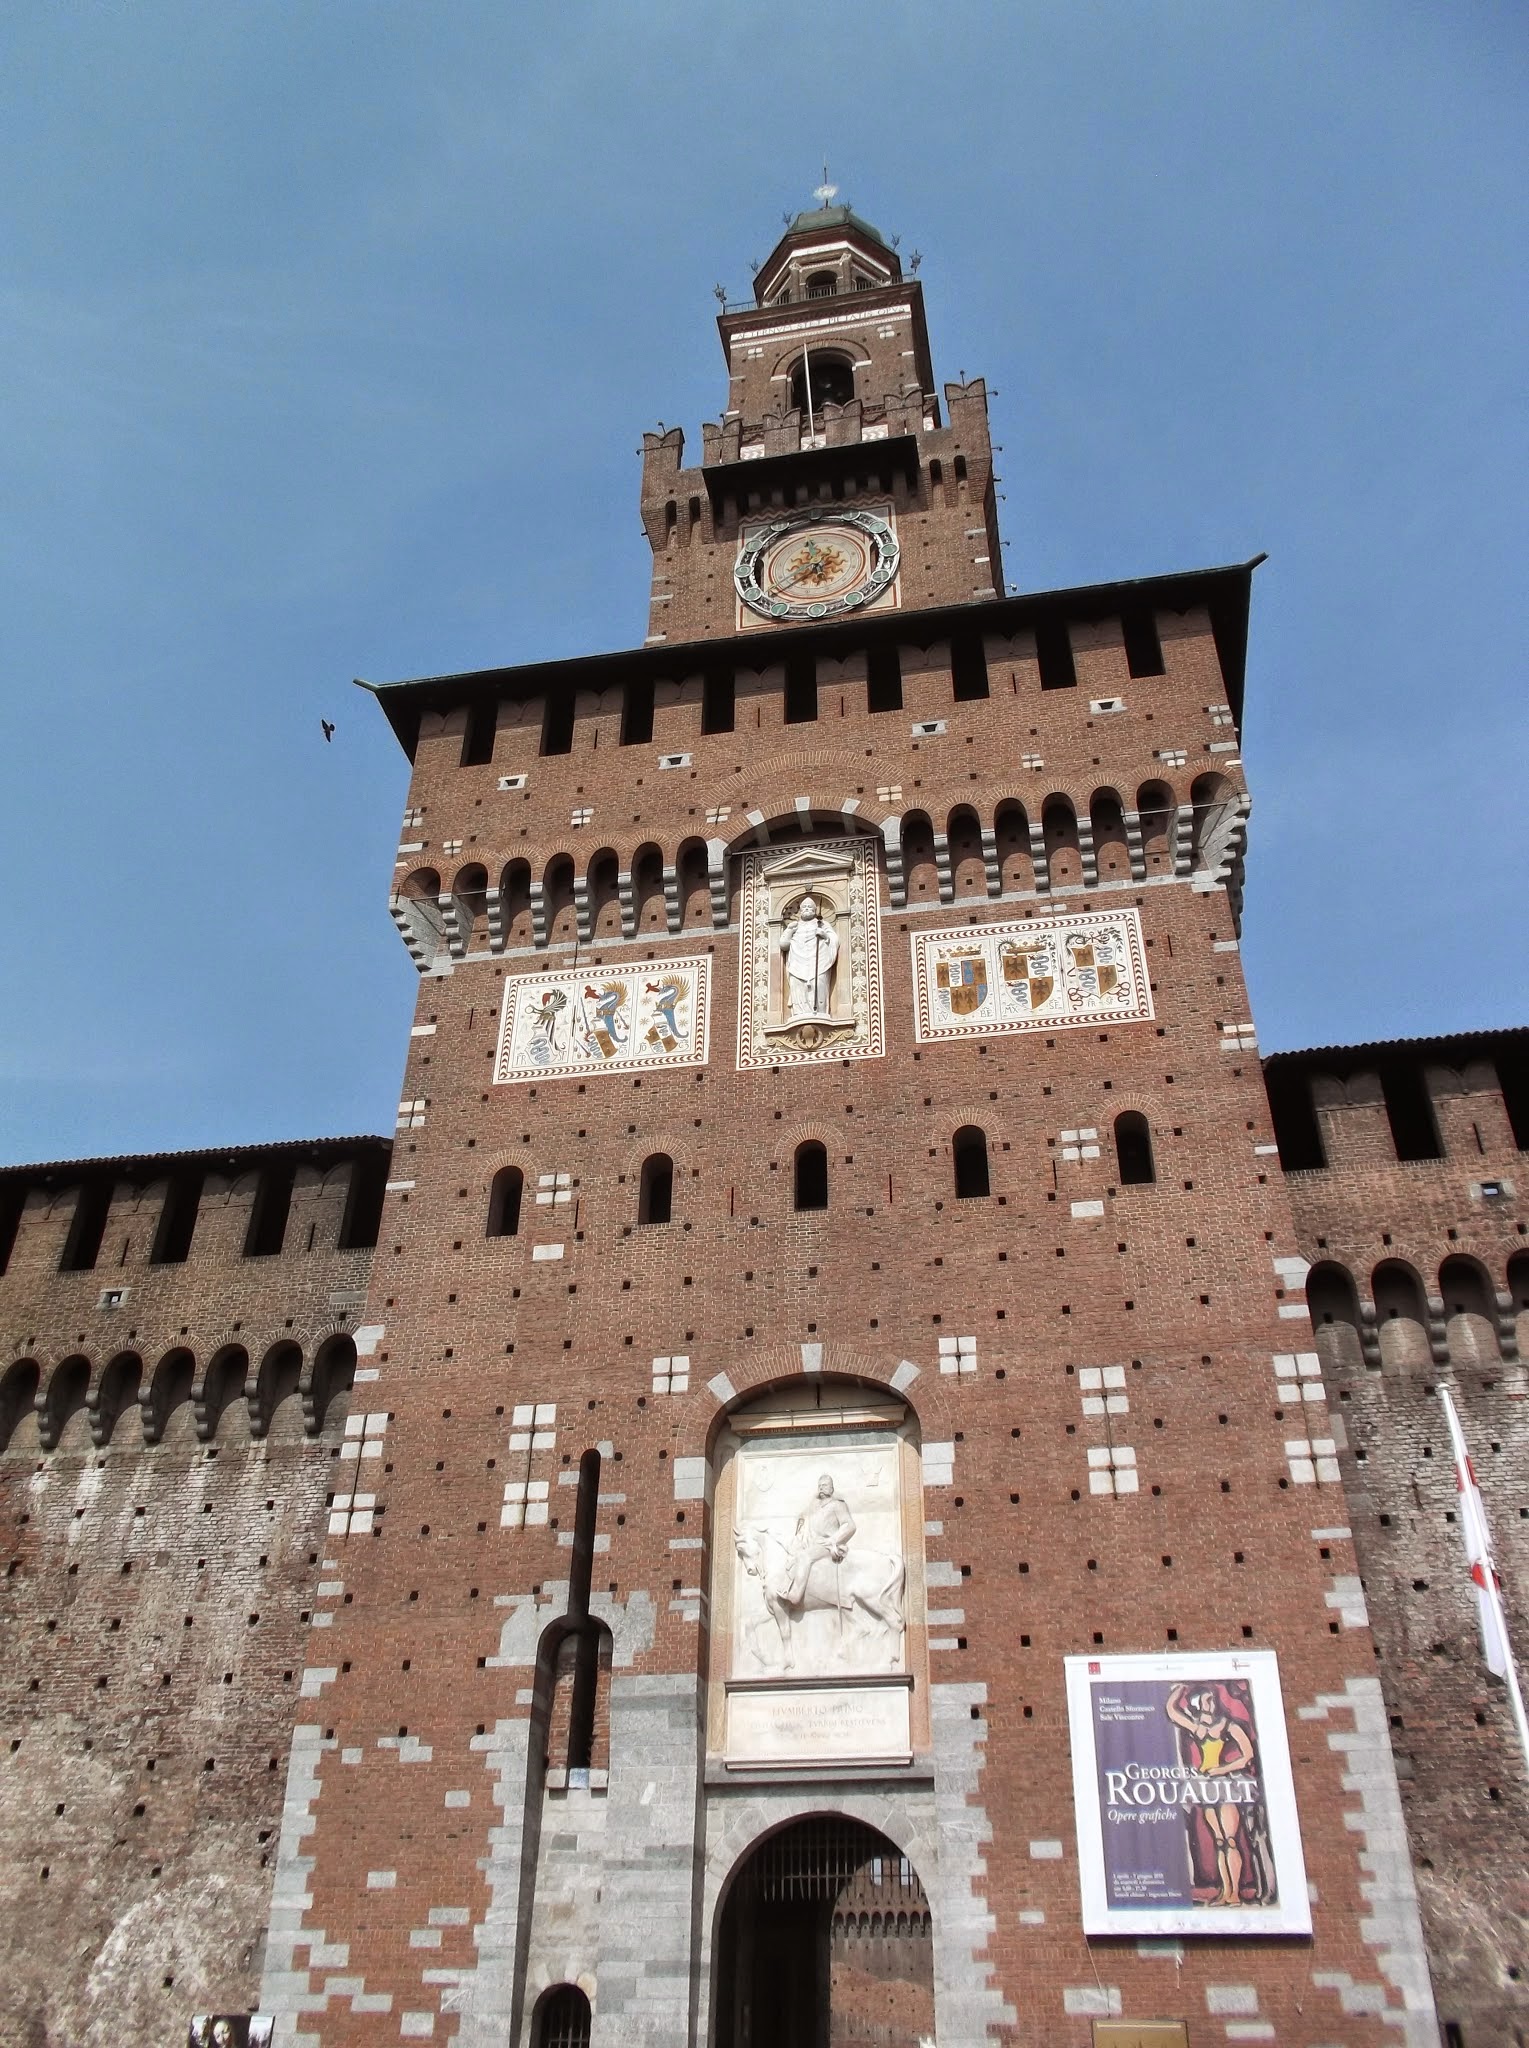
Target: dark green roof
x=836 y=217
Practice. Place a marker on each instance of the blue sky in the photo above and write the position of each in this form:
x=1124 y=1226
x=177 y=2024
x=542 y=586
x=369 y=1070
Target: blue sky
x=327 y=334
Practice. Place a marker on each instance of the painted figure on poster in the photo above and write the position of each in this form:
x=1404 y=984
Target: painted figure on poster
x=811 y=947
x=1228 y=1846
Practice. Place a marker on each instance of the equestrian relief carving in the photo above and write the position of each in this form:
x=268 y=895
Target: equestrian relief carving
x=821 y=1576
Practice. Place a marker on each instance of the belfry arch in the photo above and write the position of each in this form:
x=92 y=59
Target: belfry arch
x=824 y=1939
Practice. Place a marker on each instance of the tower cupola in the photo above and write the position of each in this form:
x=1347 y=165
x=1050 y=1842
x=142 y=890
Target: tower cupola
x=822 y=254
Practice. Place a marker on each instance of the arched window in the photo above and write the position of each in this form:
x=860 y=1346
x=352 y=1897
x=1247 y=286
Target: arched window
x=504 y=1202
x=1470 y=1312
x=655 y=1199
x=969 y=1148
x=829 y=379
x=811 y=1175
x=822 y=284
x=1401 y=1314
x=1133 y=1149
x=1334 y=1304
x=561 y=2019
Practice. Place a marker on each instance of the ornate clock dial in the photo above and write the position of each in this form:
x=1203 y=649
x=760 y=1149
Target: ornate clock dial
x=815 y=565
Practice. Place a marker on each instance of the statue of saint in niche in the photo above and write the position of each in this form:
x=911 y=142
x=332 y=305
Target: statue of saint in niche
x=811 y=946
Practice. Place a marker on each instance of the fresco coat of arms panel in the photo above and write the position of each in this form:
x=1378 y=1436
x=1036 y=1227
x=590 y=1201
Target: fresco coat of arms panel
x=591 y=1021
x=1031 y=974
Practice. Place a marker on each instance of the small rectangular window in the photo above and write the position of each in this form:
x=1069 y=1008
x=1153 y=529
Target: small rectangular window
x=13 y=1201
x=177 y=1221
x=557 y=724
x=717 y=710
x=1409 y=1111
x=478 y=739
x=268 y=1216
x=801 y=690
x=884 y=680
x=637 y=714
x=968 y=670
x=363 y=1202
x=83 y=1245
x=1053 y=648
x=1144 y=650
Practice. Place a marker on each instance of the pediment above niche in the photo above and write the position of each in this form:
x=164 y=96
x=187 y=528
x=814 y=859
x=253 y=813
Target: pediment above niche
x=809 y=864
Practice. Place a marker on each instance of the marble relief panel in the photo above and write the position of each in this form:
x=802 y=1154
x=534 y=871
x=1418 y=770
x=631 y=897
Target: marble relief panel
x=1031 y=974
x=591 y=1021
x=809 y=982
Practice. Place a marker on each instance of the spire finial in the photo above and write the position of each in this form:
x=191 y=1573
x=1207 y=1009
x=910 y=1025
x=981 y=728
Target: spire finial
x=825 y=194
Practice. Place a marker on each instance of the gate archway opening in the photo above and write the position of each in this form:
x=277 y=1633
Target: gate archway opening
x=825 y=1941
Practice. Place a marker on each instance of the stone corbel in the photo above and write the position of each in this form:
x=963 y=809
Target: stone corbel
x=627 y=896
x=456 y=923
x=990 y=862
x=539 y=918
x=942 y=868
x=716 y=868
x=497 y=935
x=1088 y=853
x=1040 y=859
x=1134 y=846
x=1369 y=1335
x=1438 y=1330
x=1181 y=841
x=897 y=876
x=672 y=903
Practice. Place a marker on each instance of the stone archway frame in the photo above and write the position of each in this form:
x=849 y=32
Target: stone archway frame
x=935 y=1825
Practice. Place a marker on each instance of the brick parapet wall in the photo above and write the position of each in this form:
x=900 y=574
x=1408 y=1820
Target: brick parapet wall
x=1465 y=1788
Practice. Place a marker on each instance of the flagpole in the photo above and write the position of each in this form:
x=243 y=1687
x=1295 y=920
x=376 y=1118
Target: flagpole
x=1478 y=1547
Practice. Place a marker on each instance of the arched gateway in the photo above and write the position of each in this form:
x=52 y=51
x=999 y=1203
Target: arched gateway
x=824 y=1941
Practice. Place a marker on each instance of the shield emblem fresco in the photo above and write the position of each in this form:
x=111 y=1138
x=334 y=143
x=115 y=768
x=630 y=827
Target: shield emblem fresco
x=962 y=980
x=1092 y=972
x=1029 y=973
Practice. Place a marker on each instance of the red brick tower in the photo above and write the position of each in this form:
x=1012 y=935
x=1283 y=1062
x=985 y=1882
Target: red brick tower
x=841 y=1537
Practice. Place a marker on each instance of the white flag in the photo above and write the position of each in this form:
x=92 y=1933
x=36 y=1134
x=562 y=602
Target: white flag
x=1478 y=1550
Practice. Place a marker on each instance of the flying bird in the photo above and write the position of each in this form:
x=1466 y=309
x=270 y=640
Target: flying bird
x=328 y=728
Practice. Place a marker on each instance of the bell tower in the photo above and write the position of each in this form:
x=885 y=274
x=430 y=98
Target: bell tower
x=836 y=480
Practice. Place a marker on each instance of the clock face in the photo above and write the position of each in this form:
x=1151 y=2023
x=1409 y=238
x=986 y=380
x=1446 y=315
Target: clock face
x=815 y=565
